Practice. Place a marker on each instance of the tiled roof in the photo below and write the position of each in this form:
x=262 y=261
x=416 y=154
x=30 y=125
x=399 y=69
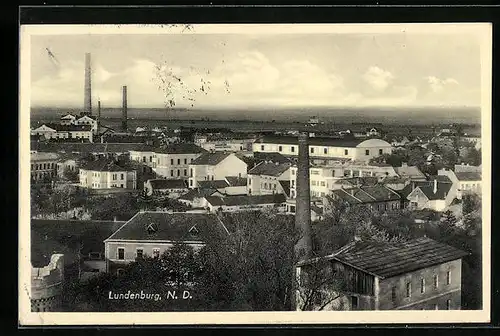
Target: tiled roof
x=69 y=128
x=409 y=171
x=181 y=148
x=197 y=193
x=468 y=176
x=161 y=184
x=168 y=227
x=313 y=141
x=235 y=181
x=272 y=157
x=43 y=156
x=385 y=260
x=63 y=236
x=210 y=159
x=367 y=194
x=441 y=191
x=85 y=147
x=286 y=186
x=104 y=166
x=246 y=200
x=362 y=181
x=215 y=184
x=269 y=169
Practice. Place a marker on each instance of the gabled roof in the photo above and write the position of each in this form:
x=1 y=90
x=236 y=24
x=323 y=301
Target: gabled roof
x=367 y=194
x=197 y=193
x=246 y=199
x=468 y=176
x=210 y=159
x=68 y=128
x=103 y=165
x=362 y=181
x=409 y=171
x=235 y=181
x=168 y=227
x=181 y=148
x=269 y=169
x=386 y=260
x=215 y=184
x=162 y=184
x=271 y=157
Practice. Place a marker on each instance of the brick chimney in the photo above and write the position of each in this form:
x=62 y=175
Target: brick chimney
x=303 y=248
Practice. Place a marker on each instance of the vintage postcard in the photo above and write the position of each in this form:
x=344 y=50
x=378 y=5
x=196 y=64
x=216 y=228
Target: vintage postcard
x=255 y=174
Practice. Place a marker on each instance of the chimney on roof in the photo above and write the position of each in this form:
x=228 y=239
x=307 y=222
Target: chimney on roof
x=413 y=186
x=435 y=185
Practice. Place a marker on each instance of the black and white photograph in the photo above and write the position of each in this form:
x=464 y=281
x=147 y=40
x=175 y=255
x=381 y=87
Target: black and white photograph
x=292 y=172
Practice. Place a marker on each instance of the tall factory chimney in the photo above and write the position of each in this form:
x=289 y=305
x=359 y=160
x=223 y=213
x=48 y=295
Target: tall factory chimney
x=124 y=109
x=303 y=248
x=99 y=117
x=87 y=104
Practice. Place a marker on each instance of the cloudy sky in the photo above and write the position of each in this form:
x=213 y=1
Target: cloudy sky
x=245 y=70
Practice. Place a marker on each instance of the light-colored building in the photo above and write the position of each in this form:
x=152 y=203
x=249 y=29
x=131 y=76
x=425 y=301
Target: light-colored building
x=463 y=181
x=86 y=120
x=47 y=285
x=105 y=174
x=56 y=131
x=325 y=148
x=421 y=274
x=68 y=119
x=166 y=187
x=325 y=178
x=410 y=172
x=172 y=162
x=152 y=233
x=436 y=194
x=216 y=166
x=145 y=155
x=265 y=177
x=67 y=163
x=43 y=164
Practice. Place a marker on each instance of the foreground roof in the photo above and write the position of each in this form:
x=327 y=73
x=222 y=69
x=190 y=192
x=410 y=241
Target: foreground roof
x=160 y=184
x=163 y=226
x=386 y=260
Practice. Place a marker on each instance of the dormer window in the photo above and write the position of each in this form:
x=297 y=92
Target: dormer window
x=194 y=231
x=152 y=228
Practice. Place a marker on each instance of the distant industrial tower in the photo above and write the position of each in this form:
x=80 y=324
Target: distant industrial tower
x=124 y=110
x=87 y=103
x=99 y=117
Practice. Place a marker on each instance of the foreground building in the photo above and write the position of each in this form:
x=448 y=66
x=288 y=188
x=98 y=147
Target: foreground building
x=47 y=285
x=421 y=274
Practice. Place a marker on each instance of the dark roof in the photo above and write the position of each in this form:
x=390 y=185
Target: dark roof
x=215 y=184
x=104 y=166
x=441 y=192
x=409 y=171
x=272 y=157
x=314 y=141
x=167 y=227
x=245 y=199
x=468 y=176
x=269 y=169
x=440 y=178
x=235 y=181
x=385 y=260
x=64 y=236
x=197 y=193
x=181 y=148
x=286 y=186
x=79 y=147
x=160 y=184
x=362 y=181
x=68 y=128
x=210 y=158
x=367 y=194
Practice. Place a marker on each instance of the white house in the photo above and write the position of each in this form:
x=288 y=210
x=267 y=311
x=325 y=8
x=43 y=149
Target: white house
x=68 y=119
x=56 y=131
x=172 y=161
x=463 y=181
x=436 y=195
x=216 y=166
x=265 y=177
x=87 y=121
x=105 y=174
x=146 y=155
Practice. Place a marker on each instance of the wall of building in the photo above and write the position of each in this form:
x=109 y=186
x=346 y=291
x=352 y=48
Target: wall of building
x=147 y=157
x=431 y=296
x=230 y=166
x=46 y=285
x=174 y=166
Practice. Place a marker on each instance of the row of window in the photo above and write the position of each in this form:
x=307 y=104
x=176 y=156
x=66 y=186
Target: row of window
x=325 y=150
x=113 y=185
x=422 y=285
x=272 y=186
x=346 y=173
x=139 y=253
x=39 y=166
x=172 y=172
x=122 y=176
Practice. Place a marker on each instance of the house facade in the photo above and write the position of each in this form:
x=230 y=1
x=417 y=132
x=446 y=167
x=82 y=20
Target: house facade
x=146 y=156
x=465 y=180
x=265 y=177
x=421 y=274
x=86 y=120
x=166 y=187
x=43 y=164
x=172 y=162
x=56 y=131
x=436 y=195
x=216 y=166
x=105 y=174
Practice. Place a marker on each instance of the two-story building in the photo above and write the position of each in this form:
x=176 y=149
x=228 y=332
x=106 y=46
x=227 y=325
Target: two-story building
x=465 y=179
x=216 y=166
x=144 y=154
x=86 y=120
x=172 y=161
x=323 y=149
x=67 y=119
x=106 y=174
x=152 y=233
x=377 y=197
x=436 y=194
x=420 y=274
x=43 y=164
x=265 y=177
x=57 y=131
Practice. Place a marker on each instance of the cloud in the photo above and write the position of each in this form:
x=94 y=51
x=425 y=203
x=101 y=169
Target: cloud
x=438 y=85
x=377 y=78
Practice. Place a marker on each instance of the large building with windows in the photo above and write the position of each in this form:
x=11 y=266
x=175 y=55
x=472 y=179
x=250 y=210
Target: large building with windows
x=420 y=274
x=43 y=164
x=216 y=166
x=172 y=162
x=325 y=149
x=105 y=174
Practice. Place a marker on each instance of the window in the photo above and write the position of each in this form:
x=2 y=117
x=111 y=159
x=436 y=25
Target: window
x=313 y=182
x=346 y=152
x=325 y=150
x=150 y=159
x=178 y=161
x=156 y=253
x=122 y=176
x=143 y=159
x=312 y=150
x=380 y=151
x=292 y=149
x=408 y=289
x=262 y=147
x=114 y=176
x=293 y=183
x=121 y=185
x=323 y=183
x=139 y=253
x=393 y=294
x=422 y=285
x=185 y=172
x=436 y=281
x=178 y=172
x=448 y=277
x=293 y=172
x=191 y=172
x=280 y=148
x=190 y=183
x=172 y=161
x=265 y=185
x=121 y=253
x=448 y=304
x=354 y=302
x=171 y=173
x=185 y=161
x=191 y=159
x=367 y=152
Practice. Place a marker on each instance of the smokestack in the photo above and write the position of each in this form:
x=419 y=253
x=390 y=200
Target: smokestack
x=87 y=104
x=124 y=109
x=303 y=204
x=98 y=117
